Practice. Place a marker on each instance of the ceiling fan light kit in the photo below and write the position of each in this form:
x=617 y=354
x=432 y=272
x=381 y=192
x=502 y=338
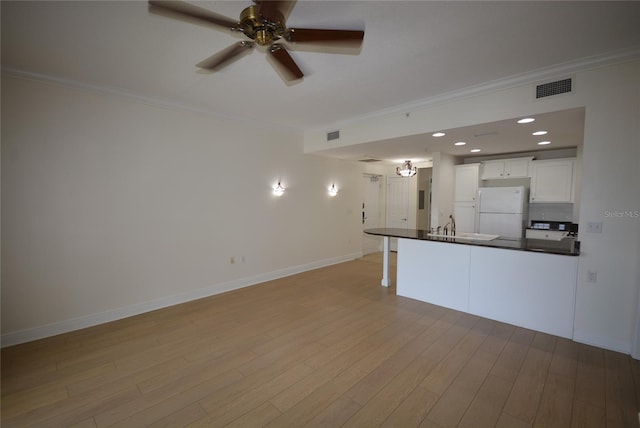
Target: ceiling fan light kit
x=264 y=23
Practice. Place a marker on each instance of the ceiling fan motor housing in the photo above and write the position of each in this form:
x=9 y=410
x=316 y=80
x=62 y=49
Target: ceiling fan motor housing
x=255 y=26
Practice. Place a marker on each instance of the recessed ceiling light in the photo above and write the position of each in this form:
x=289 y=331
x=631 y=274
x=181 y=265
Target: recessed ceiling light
x=475 y=150
x=439 y=134
x=459 y=143
x=544 y=143
x=539 y=133
x=526 y=120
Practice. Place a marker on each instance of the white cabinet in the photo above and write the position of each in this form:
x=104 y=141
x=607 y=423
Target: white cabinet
x=506 y=168
x=552 y=180
x=434 y=272
x=528 y=289
x=465 y=215
x=466 y=189
x=466 y=184
x=493 y=169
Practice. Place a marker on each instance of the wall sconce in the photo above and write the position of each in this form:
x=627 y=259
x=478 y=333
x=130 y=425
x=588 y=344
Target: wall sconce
x=333 y=190
x=407 y=170
x=278 y=190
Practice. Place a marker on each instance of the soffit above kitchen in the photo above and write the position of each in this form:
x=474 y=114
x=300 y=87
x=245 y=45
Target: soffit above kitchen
x=412 y=50
x=563 y=129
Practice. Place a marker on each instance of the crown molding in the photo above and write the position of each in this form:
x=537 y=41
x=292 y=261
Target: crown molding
x=534 y=76
x=157 y=102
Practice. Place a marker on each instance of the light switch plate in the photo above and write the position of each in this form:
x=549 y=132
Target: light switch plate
x=594 y=227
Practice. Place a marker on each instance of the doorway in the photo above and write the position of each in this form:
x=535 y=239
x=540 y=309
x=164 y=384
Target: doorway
x=371 y=212
x=397 y=205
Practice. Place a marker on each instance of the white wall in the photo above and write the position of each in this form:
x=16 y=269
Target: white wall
x=577 y=185
x=111 y=207
x=606 y=311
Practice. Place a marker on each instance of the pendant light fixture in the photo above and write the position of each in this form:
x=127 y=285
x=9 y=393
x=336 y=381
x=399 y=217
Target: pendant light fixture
x=278 y=190
x=407 y=170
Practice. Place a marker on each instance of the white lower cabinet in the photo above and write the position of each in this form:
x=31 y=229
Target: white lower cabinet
x=434 y=272
x=531 y=290
x=523 y=288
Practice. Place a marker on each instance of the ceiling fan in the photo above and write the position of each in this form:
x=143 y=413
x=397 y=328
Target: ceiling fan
x=264 y=24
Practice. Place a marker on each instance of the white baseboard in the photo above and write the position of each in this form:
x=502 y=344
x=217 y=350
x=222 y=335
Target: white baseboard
x=53 y=329
x=602 y=342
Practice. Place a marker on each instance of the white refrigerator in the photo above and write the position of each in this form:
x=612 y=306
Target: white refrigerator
x=502 y=211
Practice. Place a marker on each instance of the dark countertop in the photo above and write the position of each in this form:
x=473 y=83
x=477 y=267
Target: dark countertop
x=564 y=247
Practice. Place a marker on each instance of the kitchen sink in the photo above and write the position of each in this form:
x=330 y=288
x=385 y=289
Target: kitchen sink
x=467 y=235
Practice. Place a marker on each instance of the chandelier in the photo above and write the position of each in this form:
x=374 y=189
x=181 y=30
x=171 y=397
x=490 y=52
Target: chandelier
x=407 y=170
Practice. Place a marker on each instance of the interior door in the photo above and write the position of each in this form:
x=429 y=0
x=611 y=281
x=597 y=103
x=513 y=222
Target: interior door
x=372 y=185
x=397 y=205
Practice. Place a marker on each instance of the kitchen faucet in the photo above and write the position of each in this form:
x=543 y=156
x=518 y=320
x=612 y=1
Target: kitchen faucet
x=453 y=225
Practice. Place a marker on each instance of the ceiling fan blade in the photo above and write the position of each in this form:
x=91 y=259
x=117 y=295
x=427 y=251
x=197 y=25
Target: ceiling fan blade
x=283 y=58
x=276 y=10
x=225 y=56
x=311 y=35
x=188 y=10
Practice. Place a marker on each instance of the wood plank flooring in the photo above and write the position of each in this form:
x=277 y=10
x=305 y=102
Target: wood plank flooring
x=330 y=348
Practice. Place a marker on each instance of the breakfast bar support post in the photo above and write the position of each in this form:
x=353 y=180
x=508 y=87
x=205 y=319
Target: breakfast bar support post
x=385 y=262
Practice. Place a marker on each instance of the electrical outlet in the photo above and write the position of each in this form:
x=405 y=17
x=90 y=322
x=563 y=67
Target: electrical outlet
x=594 y=227
x=592 y=276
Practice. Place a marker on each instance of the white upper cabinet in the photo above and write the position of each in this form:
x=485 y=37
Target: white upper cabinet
x=552 y=180
x=466 y=184
x=506 y=168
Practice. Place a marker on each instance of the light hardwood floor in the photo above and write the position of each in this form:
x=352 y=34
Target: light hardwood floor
x=330 y=347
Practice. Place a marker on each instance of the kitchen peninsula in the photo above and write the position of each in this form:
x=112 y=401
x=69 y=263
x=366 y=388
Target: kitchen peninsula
x=530 y=283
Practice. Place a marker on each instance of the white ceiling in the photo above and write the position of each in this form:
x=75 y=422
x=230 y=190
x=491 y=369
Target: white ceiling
x=412 y=51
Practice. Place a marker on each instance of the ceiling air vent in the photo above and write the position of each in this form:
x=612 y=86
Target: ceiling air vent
x=553 y=88
x=369 y=160
x=333 y=135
